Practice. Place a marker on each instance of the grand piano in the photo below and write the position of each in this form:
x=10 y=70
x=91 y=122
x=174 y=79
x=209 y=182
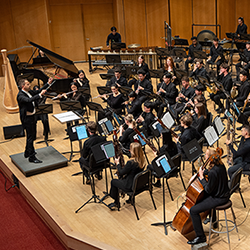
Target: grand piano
x=53 y=65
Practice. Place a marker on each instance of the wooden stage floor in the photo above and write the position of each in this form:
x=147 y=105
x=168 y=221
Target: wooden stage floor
x=55 y=195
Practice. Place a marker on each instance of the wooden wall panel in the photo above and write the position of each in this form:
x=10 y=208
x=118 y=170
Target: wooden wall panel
x=71 y=2
x=67 y=31
x=204 y=13
x=181 y=18
x=97 y=23
x=226 y=16
x=157 y=13
x=30 y=23
x=242 y=9
x=118 y=7
x=135 y=20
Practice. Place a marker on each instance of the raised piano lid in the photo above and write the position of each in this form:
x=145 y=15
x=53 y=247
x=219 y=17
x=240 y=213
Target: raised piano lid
x=58 y=60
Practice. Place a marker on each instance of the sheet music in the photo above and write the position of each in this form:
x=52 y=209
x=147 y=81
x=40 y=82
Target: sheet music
x=67 y=117
x=219 y=125
x=211 y=135
x=109 y=150
x=168 y=120
x=81 y=132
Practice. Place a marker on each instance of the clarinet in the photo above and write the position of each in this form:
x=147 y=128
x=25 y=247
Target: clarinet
x=146 y=141
x=187 y=104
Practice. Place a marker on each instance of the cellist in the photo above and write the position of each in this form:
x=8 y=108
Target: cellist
x=216 y=194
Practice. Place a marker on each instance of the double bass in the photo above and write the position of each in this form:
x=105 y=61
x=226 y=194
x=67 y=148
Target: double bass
x=195 y=192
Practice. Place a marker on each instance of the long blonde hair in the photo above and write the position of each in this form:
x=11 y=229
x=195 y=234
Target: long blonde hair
x=137 y=154
x=130 y=119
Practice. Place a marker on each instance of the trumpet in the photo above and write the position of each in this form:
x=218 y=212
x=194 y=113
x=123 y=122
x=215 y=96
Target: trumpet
x=102 y=95
x=59 y=96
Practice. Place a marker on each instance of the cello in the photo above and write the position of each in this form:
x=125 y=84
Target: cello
x=195 y=192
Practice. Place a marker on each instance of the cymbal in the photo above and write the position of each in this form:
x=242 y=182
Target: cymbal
x=134 y=45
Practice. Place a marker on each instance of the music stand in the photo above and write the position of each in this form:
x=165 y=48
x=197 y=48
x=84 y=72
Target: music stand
x=193 y=151
x=125 y=90
x=240 y=46
x=205 y=43
x=156 y=73
x=163 y=53
x=113 y=59
x=245 y=37
x=182 y=42
x=103 y=90
x=44 y=109
x=158 y=168
x=232 y=36
x=204 y=81
x=200 y=54
x=106 y=76
x=219 y=127
x=117 y=45
x=179 y=52
x=131 y=70
x=95 y=107
x=180 y=73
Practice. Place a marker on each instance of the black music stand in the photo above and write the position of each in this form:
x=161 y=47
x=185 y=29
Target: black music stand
x=193 y=151
x=200 y=54
x=179 y=52
x=240 y=46
x=103 y=90
x=156 y=73
x=158 y=168
x=205 y=43
x=182 y=42
x=118 y=45
x=131 y=70
x=113 y=59
x=180 y=73
x=106 y=76
x=125 y=90
x=43 y=109
x=245 y=37
x=204 y=81
x=232 y=36
x=95 y=107
x=163 y=53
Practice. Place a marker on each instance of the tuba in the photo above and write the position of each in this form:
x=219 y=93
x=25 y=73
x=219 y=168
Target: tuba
x=10 y=86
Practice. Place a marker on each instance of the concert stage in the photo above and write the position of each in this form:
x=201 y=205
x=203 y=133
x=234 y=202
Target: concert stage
x=50 y=157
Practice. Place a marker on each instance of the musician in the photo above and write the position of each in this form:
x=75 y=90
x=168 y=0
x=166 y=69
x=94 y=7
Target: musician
x=245 y=64
x=216 y=53
x=216 y=194
x=188 y=134
x=186 y=93
x=124 y=138
x=146 y=118
x=26 y=101
x=198 y=70
x=82 y=81
x=134 y=166
x=113 y=36
x=241 y=28
x=168 y=146
x=194 y=46
x=86 y=151
x=170 y=68
x=167 y=90
x=115 y=102
x=117 y=79
x=134 y=107
x=199 y=118
x=226 y=80
x=244 y=89
x=43 y=117
x=241 y=157
x=143 y=86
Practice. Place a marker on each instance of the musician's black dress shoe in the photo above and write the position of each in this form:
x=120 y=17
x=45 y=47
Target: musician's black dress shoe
x=114 y=205
x=197 y=240
x=34 y=160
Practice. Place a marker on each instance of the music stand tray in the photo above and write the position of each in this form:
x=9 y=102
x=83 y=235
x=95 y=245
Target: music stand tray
x=118 y=45
x=103 y=90
x=200 y=54
x=106 y=76
x=113 y=59
x=70 y=105
x=162 y=52
x=232 y=35
x=205 y=43
x=179 y=52
x=125 y=90
x=95 y=106
x=156 y=73
x=182 y=42
x=43 y=109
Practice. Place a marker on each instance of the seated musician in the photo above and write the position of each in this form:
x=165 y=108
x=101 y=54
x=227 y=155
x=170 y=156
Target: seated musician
x=146 y=118
x=245 y=64
x=115 y=102
x=133 y=106
x=226 y=80
x=216 y=54
x=216 y=194
x=242 y=27
x=43 y=117
x=186 y=93
x=124 y=138
x=243 y=90
x=170 y=68
x=117 y=79
x=168 y=145
x=194 y=46
x=199 y=118
x=199 y=69
x=82 y=81
x=113 y=37
x=142 y=65
x=86 y=151
x=143 y=86
x=134 y=166
x=241 y=157
x=188 y=134
x=167 y=90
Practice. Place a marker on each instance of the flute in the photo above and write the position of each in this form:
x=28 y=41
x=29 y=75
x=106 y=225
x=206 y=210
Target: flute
x=102 y=95
x=59 y=96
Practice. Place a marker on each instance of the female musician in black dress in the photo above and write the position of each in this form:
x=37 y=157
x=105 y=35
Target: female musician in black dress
x=200 y=117
x=125 y=133
x=134 y=166
x=82 y=81
x=216 y=194
x=169 y=67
